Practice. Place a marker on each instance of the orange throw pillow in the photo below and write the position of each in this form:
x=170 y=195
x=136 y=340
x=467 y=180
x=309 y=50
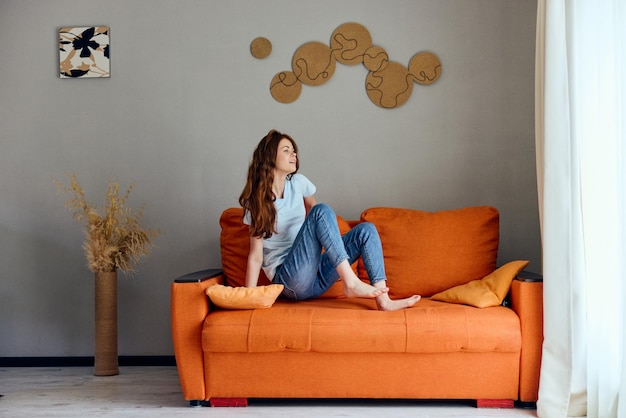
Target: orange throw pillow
x=428 y=252
x=488 y=291
x=259 y=297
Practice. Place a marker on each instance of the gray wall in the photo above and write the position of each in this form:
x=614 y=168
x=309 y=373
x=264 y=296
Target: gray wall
x=187 y=103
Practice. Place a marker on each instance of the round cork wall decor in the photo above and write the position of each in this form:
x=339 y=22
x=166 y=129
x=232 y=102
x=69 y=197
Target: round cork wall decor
x=260 y=48
x=285 y=87
x=390 y=87
x=375 y=58
x=349 y=43
x=313 y=63
x=425 y=68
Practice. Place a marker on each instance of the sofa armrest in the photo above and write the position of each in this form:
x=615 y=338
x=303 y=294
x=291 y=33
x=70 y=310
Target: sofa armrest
x=189 y=307
x=529 y=276
x=200 y=276
x=527 y=301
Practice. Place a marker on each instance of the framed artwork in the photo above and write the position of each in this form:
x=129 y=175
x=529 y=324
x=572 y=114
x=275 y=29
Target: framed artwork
x=84 y=52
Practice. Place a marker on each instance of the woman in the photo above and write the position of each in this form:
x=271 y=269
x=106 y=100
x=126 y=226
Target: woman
x=296 y=242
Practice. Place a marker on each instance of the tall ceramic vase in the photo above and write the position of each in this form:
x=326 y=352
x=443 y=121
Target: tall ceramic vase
x=106 y=363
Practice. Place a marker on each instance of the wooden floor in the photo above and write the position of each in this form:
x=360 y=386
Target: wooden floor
x=155 y=392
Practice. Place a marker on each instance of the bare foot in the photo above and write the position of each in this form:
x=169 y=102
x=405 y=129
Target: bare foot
x=358 y=289
x=384 y=303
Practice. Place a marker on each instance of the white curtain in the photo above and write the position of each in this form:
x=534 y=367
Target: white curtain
x=581 y=170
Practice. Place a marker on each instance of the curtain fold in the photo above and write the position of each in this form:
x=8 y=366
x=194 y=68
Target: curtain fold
x=581 y=182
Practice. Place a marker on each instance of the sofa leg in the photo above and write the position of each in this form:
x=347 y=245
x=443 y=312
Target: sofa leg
x=195 y=403
x=228 y=402
x=495 y=403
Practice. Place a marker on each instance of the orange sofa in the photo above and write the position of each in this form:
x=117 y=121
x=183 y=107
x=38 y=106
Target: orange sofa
x=334 y=347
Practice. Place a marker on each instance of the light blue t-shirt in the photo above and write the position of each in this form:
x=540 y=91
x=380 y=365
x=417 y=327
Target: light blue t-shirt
x=290 y=214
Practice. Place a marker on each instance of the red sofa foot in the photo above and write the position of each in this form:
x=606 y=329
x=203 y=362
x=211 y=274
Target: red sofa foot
x=495 y=403
x=228 y=402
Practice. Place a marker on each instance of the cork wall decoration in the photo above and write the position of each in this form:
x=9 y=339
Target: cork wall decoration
x=388 y=84
x=350 y=42
x=261 y=48
x=313 y=63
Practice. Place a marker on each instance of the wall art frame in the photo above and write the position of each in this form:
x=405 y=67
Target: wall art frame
x=84 y=52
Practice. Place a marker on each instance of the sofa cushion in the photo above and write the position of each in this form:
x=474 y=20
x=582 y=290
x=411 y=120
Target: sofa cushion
x=354 y=325
x=235 y=246
x=428 y=252
x=488 y=291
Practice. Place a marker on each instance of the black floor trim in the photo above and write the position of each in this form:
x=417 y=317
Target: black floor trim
x=84 y=361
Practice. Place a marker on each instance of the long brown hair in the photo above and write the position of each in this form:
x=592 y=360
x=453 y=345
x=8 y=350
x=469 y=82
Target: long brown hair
x=257 y=196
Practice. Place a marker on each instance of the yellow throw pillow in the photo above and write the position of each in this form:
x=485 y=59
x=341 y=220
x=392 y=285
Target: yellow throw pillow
x=244 y=297
x=488 y=291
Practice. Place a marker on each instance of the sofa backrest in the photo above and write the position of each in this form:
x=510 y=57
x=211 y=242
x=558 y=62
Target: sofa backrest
x=428 y=252
x=424 y=252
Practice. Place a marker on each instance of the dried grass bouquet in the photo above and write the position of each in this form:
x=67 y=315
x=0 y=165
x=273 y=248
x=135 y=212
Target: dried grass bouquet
x=114 y=239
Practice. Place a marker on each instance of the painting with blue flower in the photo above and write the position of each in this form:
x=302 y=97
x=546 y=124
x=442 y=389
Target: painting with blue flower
x=84 y=52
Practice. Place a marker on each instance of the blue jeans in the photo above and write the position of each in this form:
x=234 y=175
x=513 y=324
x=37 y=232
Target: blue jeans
x=307 y=272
